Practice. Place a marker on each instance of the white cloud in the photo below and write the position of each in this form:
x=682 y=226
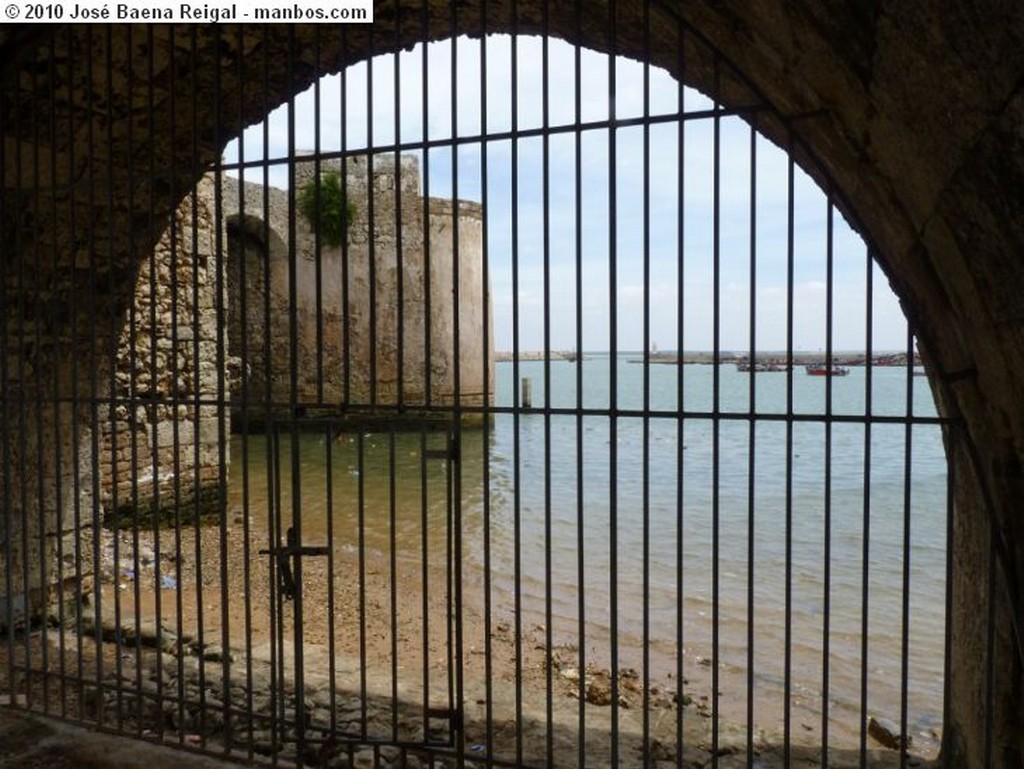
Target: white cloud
x=339 y=106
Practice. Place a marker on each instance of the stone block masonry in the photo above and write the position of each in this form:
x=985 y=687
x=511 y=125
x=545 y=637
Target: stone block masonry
x=162 y=433
x=363 y=329
x=255 y=320
x=370 y=328
x=127 y=427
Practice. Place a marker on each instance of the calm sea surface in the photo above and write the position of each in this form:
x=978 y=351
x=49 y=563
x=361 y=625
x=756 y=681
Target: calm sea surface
x=645 y=526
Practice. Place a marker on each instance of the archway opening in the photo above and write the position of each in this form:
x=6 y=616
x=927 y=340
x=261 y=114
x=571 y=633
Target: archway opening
x=598 y=450
x=255 y=270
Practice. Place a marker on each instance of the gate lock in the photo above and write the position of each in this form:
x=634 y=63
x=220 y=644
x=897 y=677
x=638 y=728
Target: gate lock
x=292 y=549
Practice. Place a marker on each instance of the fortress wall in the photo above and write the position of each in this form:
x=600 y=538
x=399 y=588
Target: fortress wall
x=158 y=447
x=385 y=349
x=298 y=332
x=257 y=278
x=475 y=362
x=119 y=432
x=360 y=338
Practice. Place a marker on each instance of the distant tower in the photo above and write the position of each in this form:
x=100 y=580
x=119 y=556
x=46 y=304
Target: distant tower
x=375 y=319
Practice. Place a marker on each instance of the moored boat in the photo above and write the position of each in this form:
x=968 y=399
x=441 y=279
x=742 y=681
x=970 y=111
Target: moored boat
x=759 y=366
x=822 y=369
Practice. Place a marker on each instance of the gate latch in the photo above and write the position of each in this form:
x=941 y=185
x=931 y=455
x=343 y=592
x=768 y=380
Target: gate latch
x=292 y=549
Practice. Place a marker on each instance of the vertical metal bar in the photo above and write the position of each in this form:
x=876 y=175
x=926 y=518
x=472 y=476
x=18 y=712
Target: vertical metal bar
x=680 y=634
x=219 y=247
x=399 y=250
x=277 y=648
x=74 y=309
x=790 y=294
x=173 y=358
x=346 y=328
x=58 y=429
x=295 y=443
x=581 y=561
x=646 y=449
x=332 y=630
x=907 y=499
x=40 y=432
x=425 y=578
x=954 y=436
x=393 y=567
x=153 y=228
x=487 y=415
x=827 y=555
x=196 y=406
x=93 y=353
x=7 y=406
x=292 y=244
x=8 y=423
x=866 y=513
x=613 y=387
x=716 y=404
x=197 y=400
x=517 y=501
x=133 y=388
x=455 y=658
x=42 y=514
x=549 y=743
x=32 y=342
x=332 y=644
x=428 y=389
x=752 y=445
x=76 y=383
x=22 y=183
x=371 y=223
x=22 y=429
x=318 y=244
x=361 y=545
x=272 y=443
x=244 y=397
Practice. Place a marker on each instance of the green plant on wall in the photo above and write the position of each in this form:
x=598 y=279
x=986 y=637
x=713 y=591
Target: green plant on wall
x=325 y=207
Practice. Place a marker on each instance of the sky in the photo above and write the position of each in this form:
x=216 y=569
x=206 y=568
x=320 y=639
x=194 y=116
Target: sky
x=603 y=290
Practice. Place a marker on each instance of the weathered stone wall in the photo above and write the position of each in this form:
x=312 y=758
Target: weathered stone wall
x=256 y=226
x=160 y=448
x=464 y=345
x=98 y=445
x=47 y=529
x=364 y=328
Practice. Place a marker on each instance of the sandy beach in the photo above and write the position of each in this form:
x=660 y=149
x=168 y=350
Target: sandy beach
x=524 y=699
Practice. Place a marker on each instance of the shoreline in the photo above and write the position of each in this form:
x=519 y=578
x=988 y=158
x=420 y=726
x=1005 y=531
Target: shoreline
x=779 y=358
x=522 y=686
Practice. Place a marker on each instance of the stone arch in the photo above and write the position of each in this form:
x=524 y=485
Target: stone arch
x=913 y=111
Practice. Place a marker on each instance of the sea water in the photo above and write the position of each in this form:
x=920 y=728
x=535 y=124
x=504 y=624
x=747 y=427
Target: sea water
x=783 y=507
x=638 y=509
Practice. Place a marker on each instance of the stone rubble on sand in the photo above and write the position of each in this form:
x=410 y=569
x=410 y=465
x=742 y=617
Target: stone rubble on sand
x=173 y=686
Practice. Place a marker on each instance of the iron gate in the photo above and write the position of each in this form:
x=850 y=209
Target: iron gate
x=333 y=711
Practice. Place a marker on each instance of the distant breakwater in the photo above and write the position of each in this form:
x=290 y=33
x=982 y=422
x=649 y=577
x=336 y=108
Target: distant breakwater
x=776 y=359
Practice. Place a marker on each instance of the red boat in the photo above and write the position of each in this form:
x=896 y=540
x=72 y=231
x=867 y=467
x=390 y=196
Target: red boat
x=820 y=369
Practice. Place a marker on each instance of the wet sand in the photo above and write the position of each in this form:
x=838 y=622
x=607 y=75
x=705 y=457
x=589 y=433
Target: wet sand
x=524 y=696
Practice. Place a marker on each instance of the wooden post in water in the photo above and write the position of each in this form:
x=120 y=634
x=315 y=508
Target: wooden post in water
x=526 y=393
